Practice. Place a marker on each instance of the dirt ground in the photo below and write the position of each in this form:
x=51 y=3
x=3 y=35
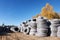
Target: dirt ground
x=21 y=36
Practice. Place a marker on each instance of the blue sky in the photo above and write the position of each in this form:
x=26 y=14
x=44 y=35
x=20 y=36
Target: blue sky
x=16 y=11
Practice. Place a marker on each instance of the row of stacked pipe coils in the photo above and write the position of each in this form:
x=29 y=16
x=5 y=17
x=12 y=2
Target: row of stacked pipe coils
x=40 y=26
